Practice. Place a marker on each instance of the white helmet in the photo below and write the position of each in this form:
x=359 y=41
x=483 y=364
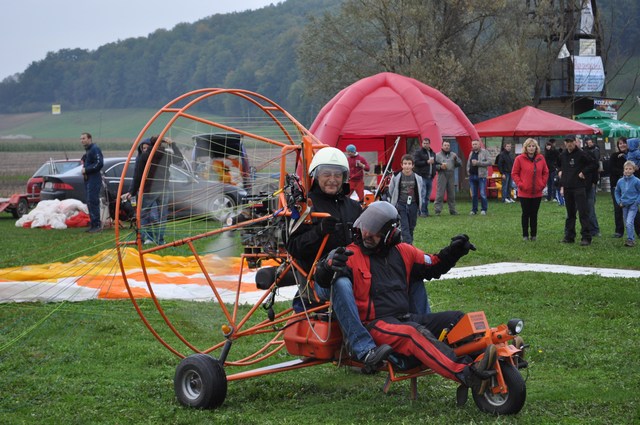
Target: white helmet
x=331 y=157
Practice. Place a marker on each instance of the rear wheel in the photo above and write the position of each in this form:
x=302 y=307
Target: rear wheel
x=200 y=382
x=21 y=209
x=504 y=404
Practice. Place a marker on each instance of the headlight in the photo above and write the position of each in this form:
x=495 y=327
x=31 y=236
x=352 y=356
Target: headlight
x=515 y=326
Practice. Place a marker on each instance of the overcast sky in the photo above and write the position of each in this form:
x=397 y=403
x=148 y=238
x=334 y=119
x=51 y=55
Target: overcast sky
x=31 y=28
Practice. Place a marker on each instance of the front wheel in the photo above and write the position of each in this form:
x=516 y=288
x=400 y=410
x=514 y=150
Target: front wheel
x=21 y=209
x=504 y=404
x=200 y=382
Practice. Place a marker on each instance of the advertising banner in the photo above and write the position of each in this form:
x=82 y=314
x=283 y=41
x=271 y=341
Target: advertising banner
x=588 y=74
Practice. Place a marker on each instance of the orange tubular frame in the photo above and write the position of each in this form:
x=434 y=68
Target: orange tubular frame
x=473 y=335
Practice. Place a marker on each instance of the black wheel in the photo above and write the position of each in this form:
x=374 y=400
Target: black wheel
x=504 y=404
x=200 y=382
x=21 y=209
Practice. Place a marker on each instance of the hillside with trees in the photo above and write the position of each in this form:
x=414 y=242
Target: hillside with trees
x=301 y=52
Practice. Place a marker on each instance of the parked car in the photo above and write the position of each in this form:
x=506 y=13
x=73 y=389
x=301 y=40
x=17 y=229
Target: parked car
x=53 y=166
x=188 y=195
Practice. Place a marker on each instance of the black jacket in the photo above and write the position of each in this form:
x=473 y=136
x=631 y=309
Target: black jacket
x=305 y=241
x=505 y=162
x=159 y=170
x=422 y=167
x=594 y=154
x=572 y=164
x=551 y=157
x=616 y=167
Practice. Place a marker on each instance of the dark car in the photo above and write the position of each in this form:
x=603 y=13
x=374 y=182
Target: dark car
x=53 y=166
x=188 y=195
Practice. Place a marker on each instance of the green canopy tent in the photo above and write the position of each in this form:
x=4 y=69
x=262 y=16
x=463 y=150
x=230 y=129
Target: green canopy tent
x=609 y=126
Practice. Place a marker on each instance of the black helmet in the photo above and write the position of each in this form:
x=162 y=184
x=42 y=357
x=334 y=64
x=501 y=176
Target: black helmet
x=380 y=218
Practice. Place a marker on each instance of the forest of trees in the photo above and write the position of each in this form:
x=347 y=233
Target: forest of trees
x=299 y=53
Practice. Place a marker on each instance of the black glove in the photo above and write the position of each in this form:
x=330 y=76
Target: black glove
x=337 y=259
x=328 y=225
x=458 y=248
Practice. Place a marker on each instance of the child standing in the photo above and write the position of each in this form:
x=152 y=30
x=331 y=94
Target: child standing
x=405 y=191
x=628 y=197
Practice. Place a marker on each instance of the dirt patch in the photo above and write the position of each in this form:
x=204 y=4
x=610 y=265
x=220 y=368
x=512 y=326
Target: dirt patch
x=13 y=120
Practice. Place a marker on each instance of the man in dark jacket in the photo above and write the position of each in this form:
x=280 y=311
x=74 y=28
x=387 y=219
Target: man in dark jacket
x=575 y=166
x=425 y=166
x=381 y=268
x=551 y=155
x=155 y=207
x=92 y=162
x=505 y=165
x=592 y=149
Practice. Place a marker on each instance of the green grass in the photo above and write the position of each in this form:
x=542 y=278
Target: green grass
x=95 y=362
x=101 y=123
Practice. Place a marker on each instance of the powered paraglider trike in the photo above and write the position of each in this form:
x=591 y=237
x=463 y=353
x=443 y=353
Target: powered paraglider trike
x=241 y=330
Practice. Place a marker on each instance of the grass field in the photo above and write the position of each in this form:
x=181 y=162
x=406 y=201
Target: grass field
x=94 y=362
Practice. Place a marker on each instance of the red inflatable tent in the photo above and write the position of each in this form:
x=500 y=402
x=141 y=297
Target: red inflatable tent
x=373 y=112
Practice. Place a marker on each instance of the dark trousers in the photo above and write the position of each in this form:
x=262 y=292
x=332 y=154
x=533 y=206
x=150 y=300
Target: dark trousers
x=427 y=185
x=530 y=207
x=408 y=219
x=93 y=186
x=551 y=187
x=575 y=200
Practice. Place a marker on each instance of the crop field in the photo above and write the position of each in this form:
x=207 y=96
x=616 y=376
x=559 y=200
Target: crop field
x=17 y=167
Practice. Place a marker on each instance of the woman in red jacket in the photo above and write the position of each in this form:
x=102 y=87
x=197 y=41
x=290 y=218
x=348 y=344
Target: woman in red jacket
x=530 y=174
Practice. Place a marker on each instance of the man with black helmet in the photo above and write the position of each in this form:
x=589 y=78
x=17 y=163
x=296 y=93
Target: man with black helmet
x=381 y=268
x=329 y=170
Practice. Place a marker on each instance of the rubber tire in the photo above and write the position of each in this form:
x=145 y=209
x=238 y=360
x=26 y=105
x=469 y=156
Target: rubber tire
x=219 y=204
x=21 y=209
x=508 y=404
x=200 y=382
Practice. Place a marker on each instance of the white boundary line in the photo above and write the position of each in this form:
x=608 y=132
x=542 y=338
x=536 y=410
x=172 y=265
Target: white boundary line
x=67 y=290
x=504 y=268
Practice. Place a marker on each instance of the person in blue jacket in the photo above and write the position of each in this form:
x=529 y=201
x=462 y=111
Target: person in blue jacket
x=633 y=153
x=628 y=197
x=92 y=162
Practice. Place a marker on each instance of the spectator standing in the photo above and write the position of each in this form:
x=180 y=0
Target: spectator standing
x=477 y=169
x=425 y=167
x=628 y=197
x=92 y=162
x=592 y=149
x=616 y=171
x=155 y=207
x=357 y=167
x=551 y=155
x=633 y=153
x=446 y=163
x=575 y=165
x=530 y=173
x=505 y=165
x=405 y=192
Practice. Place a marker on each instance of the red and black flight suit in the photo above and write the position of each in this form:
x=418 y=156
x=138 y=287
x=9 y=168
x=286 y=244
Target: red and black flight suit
x=381 y=288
